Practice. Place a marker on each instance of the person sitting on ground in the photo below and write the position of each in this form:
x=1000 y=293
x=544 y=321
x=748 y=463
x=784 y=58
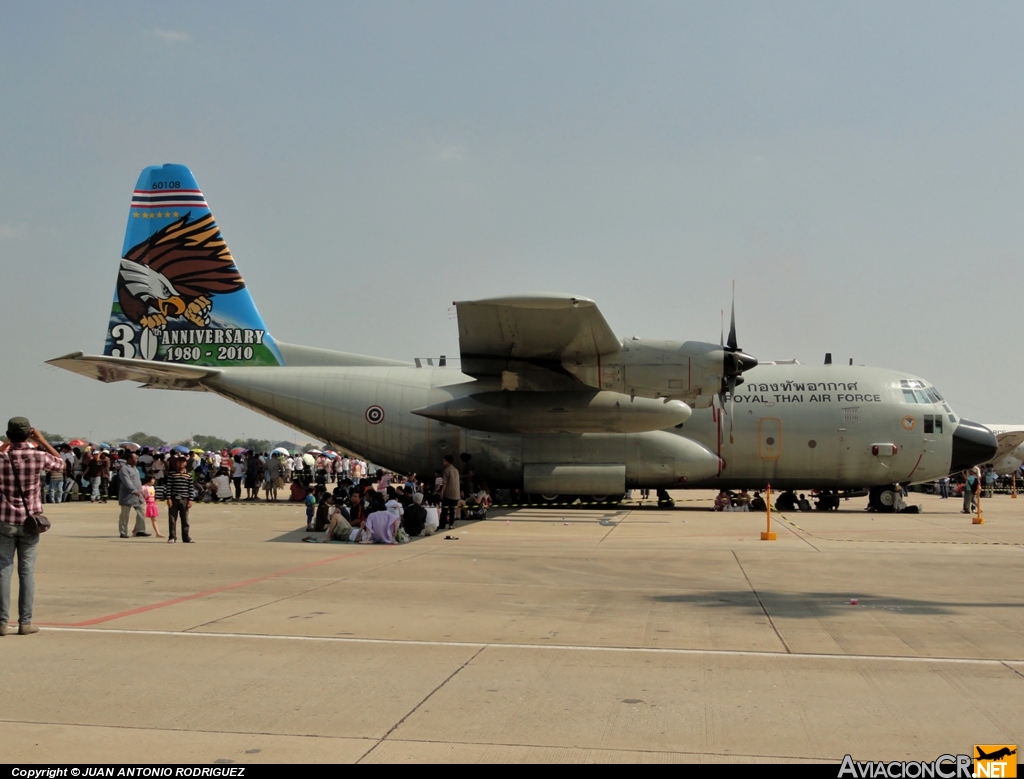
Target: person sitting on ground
x=477 y=503
x=207 y=492
x=356 y=509
x=786 y=501
x=393 y=504
x=222 y=486
x=803 y=504
x=827 y=501
x=340 y=529
x=415 y=518
x=742 y=501
x=722 y=501
x=382 y=524
x=433 y=520
x=757 y=502
x=323 y=513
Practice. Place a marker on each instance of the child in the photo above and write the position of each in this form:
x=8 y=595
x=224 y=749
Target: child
x=310 y=508
x=152 y=510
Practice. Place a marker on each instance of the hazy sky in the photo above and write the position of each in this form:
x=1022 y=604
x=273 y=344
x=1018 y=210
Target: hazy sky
x=858 y=168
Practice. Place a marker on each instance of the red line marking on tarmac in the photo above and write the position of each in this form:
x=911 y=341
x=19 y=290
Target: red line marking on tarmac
x=203 y=594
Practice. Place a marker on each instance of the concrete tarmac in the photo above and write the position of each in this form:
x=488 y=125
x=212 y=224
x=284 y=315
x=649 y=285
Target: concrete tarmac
x=627 y=634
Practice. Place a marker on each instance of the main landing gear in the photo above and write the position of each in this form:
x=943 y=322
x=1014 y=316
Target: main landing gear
x=883 y=499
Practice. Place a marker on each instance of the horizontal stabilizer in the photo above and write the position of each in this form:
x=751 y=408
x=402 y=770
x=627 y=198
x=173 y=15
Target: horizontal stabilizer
x=161 y=375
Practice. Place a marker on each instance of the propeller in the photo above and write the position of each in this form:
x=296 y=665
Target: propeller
x=734 y=364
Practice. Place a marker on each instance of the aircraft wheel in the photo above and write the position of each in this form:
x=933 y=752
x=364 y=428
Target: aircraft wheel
x=549 y=498
x=883 y=499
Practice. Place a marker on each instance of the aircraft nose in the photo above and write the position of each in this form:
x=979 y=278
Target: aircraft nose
x=973 y=444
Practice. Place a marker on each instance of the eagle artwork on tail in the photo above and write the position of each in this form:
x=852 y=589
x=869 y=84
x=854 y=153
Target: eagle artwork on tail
x=174 y=274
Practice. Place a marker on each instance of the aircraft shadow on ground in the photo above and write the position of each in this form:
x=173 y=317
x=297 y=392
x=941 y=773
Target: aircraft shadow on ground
x=811 y=605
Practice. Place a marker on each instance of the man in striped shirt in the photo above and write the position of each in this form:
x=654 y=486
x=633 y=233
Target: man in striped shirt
x=180 y=491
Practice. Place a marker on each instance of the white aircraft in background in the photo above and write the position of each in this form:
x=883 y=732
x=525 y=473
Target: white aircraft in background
x=547 y=398
x=1009 y=455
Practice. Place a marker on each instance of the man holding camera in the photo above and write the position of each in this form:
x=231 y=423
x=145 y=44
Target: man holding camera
x=24 y=457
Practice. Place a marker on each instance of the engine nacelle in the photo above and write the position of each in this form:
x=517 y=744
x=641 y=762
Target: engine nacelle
x=691 y=372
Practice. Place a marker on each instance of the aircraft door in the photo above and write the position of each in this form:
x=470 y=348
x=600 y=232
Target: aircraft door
x=848 y=436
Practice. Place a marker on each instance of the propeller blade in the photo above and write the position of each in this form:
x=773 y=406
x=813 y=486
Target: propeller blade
x=733 y=347
x=732 y=395
x=721 y=328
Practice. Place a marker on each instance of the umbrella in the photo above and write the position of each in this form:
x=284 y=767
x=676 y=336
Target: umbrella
x=78 y=442
x=331 y=455
x=180 y=448
x=104 y=446
x=129 y=445
x=238 y=450
x=197 y=451
x=308 y=459
x=164 y=449
x=313 y=451
x=280 y=450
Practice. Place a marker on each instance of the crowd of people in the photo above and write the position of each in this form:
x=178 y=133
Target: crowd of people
x=335 y=488
x=787 y=500
x=969 y=485
x=387 y=508
x=343 y=500
x=91 y=473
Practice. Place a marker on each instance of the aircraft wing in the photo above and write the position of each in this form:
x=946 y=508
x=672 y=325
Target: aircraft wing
x=157 y=375
x=539 y=329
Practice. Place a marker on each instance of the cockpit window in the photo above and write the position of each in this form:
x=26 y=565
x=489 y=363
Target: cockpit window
x=915 y=391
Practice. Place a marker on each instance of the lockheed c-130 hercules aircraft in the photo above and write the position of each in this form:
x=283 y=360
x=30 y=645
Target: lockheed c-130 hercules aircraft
x=546 y=398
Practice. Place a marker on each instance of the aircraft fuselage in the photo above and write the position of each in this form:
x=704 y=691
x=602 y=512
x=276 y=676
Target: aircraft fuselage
x=793 y=426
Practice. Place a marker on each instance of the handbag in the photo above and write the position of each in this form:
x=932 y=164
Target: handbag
x=33 y=525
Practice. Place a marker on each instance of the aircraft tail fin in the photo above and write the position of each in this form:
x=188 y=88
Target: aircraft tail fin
x=180 y=297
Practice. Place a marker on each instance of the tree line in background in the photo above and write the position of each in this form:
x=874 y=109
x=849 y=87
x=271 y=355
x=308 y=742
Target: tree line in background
x=209 y=443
